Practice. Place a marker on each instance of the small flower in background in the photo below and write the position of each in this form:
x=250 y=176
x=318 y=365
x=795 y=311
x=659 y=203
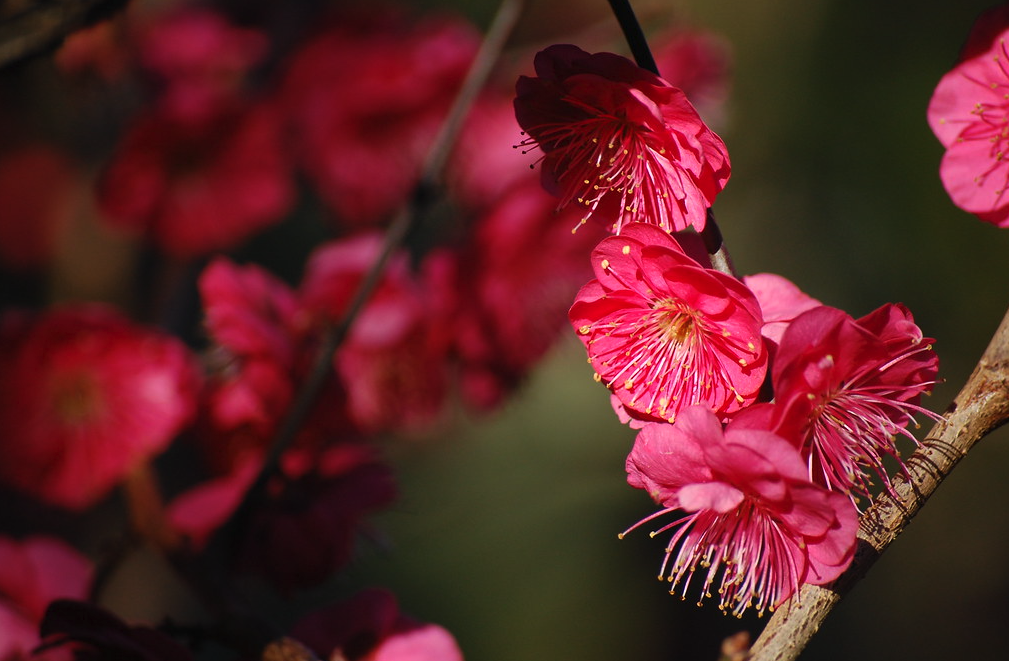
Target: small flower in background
x=198 y=59
x=251 y=318
x=845 y=389
x=365 y=98
x=95 y=634
x=619 y=141
x=85 y=395
x=754 y=528
x=517 y=245
x=34 y=571
x=969 y=114
x=370 y=627
x=198 y=187
x=36 y=190
x=698 y=63
x=664 y=333
x=313 y=510
x=393 y=364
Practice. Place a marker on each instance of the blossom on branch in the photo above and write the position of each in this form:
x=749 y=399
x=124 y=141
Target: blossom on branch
x=969 y=114
x=753 y=525
x=845 y=389
x=620 y=141
x=664 y=333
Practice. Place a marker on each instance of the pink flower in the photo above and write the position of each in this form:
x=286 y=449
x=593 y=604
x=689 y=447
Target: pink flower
x=369 y=627
x=969 y=113
x=393 y=364
x=698 y=63
x=34 y=572
x=663 y=332
x=199 y=187
x=516 y=246
x=753 y=524
x=365 y=98
x=252 y=318
x=313 y=510
x=845 y=389
x=619 y=140
x=84 y=396
x=780 y=303
x=199 y=59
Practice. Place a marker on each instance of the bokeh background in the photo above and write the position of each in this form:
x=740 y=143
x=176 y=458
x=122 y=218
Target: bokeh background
x=506 y=533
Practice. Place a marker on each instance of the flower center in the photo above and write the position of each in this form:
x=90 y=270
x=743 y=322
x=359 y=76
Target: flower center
x=76 y=398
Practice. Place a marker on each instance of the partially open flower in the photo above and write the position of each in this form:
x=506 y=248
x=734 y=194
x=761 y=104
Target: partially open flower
x=619 y=140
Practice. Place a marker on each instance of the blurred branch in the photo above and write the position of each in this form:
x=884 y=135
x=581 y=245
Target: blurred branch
x=419 y=203
x=981 y=406
x=44 y=24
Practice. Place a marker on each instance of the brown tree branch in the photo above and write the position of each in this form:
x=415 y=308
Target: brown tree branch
x=981 y=406
x=44 y=24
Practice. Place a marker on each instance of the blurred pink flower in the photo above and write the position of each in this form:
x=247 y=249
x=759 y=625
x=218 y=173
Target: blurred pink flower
x=845 y=389
x=698 y=63
x=619 y=140
x=517 y=245
x=969 y=113
x=196 y=188
x=663 y=332
x=365 y=99
x=85 y=395
x=369 y=627
x=307 y=525
x=33 y=572
x=393 y=363
x=753 y=524
x=199 y=59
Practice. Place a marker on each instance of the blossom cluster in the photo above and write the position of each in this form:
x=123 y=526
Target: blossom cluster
x=228 y=138
x=764 y=415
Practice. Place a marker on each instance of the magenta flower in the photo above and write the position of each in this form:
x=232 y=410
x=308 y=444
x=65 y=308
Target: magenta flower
x=845 y=389
x=619 y=140
x=663 y=332
x=753 y=523
x=33 y=572
x=370 y=627
x=85 y=396
x=969 y=113
x=196 y=187
x=365 y=98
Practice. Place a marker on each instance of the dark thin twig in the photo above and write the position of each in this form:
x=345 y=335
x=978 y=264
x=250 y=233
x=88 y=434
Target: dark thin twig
x=45 y=25
x=635 y=36
x=419 y=203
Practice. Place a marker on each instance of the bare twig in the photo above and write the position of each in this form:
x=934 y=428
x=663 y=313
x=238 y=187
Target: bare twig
x=45 y=23
x=980 y=407
x=635 y=36
x=419 y=203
